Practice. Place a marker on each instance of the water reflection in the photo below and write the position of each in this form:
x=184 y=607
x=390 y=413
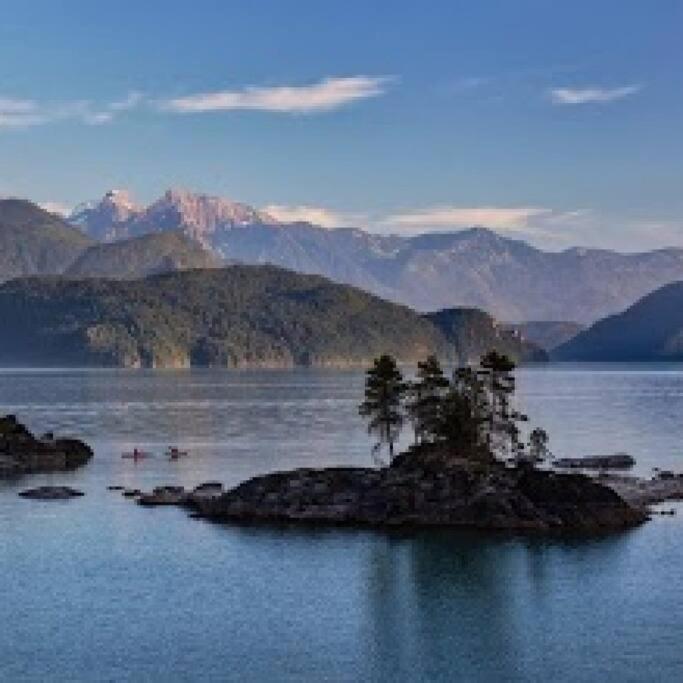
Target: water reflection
x=99 y=589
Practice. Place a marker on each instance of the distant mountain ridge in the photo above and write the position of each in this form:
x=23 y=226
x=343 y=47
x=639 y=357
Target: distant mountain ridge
x=36 y=242
x=470 y=268
x=649 y=330
x=238 y=316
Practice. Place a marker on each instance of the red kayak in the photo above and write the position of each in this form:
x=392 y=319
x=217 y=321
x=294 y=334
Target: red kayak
x=135 y=454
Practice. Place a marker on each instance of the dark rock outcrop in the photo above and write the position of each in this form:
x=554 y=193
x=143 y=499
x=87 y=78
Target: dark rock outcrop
x=618 y=461
x=51 y=493
x=418 y=493
x=163 y=495
x=23 y=453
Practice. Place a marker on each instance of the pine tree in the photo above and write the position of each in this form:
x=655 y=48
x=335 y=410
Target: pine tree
x=383 y=404
x=538 y=445
x=502 y=431
x=463 y=415
x=426 y=398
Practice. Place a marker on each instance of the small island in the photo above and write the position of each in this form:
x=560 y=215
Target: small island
x=468 y=467
x=23 y=453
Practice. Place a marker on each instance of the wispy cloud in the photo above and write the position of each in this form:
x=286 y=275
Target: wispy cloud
x=317 y=215
x=592 y=95
x=448 y=217
x=325 y=95
x=13 y=106
x=21 y=113
x=131 y=101
x=15 y=113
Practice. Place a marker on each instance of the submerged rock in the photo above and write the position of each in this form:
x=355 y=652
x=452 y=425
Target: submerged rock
x=22 y=453
x=51 y=493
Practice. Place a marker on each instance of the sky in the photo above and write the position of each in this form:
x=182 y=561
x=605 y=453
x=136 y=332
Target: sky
x=557 y=123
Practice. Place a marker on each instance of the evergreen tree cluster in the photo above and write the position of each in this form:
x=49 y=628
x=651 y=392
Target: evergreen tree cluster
x=470 y=415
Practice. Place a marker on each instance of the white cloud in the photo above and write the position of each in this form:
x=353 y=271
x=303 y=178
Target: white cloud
x=449 y=217
x=317 y=215
x=592 y=95
x=56 y=207
x=328 y=94
x=325 y=95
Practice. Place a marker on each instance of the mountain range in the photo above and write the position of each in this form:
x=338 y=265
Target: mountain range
x=477 y=267
x=236 y=316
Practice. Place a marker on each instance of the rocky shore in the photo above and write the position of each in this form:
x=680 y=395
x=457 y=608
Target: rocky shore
x=415 y=493
x=23 y=453
x=618 y=461
x=639 y=492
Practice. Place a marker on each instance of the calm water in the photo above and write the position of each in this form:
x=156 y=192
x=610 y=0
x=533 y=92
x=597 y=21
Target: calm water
x=98 y=589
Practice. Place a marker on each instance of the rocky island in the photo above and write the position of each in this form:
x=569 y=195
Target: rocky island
x=453 y=476
x=427 y=492
x=23 y=453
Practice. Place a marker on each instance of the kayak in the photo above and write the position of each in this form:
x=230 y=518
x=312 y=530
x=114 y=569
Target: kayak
x=135 y=455
x=175 y=453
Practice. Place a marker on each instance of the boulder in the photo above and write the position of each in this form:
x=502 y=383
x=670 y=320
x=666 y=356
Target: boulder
x=163 y=495
x=22 y=453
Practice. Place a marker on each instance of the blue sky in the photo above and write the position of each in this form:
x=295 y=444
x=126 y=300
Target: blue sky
x=559 y=123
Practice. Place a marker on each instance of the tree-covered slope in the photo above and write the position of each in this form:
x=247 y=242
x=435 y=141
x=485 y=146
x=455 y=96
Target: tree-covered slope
x=650 y=330
x=142 y=256
x=35 y=242
x=235 y=316
x=472 y=332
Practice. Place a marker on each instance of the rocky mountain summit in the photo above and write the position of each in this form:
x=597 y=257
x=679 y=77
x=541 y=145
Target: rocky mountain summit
x=105 y=220
x=200 y=216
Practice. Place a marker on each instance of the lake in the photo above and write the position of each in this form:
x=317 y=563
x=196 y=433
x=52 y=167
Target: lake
x=99 y=589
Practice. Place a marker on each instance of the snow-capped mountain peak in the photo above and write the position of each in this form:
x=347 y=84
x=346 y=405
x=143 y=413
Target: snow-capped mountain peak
x=201 y=216
x=103 y=220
